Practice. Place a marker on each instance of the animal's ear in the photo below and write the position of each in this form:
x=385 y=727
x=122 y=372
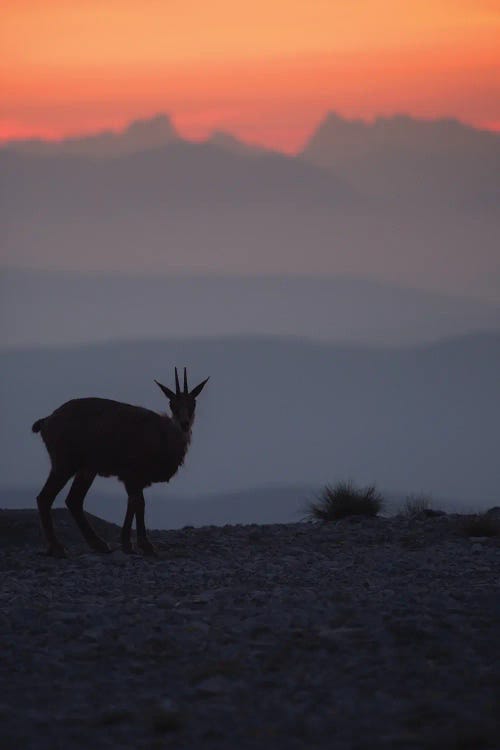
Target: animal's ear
x=168 y=393
x=196 y=391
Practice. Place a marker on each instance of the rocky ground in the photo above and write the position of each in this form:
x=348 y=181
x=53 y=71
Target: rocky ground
x=359 y=635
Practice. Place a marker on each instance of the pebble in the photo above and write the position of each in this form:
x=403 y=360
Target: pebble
x=166 y=716
x=372 y=634
x=213 y=685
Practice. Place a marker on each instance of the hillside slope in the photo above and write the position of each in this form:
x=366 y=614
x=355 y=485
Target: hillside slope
x=106 y=307
x=284 y=411
x=376 y=634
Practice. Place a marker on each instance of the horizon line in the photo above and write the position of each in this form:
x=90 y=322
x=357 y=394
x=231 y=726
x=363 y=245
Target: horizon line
x=45 y=138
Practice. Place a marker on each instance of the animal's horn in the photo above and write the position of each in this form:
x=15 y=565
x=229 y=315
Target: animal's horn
x=196 y=391
x=177 y=387
x=185 y=382
x=168 y=393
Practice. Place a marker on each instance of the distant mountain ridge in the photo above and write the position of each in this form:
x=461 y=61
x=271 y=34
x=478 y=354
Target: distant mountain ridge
x=405 y=158
x=166 y=510
x=397 y=154
x=335 y=138
x=408 y=202
x=339 y=138
x=281 y=411
x=106 y=307
x=139 y=135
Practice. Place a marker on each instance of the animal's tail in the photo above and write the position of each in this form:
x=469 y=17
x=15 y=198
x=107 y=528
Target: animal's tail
x=37 y=426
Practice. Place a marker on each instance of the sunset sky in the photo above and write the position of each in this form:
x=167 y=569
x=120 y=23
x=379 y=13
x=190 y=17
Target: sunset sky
x=266 y=71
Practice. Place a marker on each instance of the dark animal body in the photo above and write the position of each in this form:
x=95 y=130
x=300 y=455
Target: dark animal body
x=113 y=439
x=94 y=436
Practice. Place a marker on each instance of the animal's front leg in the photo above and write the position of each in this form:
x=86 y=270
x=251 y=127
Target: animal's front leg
x=142 y=539
x=127 y=527
x=45 y=499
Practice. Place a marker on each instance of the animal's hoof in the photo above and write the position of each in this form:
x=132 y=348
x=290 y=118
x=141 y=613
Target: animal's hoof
x=101 y=546
x=56 y=550
x=127 y=549
x=147 y=549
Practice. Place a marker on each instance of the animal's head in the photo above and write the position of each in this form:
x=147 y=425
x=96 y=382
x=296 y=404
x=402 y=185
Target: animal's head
x=182 y=403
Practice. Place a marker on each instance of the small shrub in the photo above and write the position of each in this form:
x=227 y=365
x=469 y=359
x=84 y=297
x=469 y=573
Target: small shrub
x=416 y=505
x=494 y=512
x=343 y=500
x=479 y=524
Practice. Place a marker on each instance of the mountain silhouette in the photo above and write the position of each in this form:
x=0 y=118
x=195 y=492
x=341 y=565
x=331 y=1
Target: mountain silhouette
x=105 y=307
x=280 y=411
x=442 y=162
x=405 y=202
x=140 y=135
x=227 y=141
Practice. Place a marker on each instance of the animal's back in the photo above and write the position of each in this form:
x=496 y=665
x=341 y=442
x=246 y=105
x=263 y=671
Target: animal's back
x=91 y=414
x=110 y=438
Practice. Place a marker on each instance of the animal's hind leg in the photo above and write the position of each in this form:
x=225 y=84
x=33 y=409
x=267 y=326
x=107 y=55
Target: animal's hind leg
x=74 y=501
x=53 y=485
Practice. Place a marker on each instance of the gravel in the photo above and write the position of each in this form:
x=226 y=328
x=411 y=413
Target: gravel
x=358 y=635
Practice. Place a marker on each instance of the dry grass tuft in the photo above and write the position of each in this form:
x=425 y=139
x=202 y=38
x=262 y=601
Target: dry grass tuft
x=419 y=506
x=343 y=500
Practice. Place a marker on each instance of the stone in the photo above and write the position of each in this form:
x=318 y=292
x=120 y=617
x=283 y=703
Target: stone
x=166 y=716
x=213 y=685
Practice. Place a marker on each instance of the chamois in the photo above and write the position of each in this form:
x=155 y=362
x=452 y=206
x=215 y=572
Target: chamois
x=87 y=437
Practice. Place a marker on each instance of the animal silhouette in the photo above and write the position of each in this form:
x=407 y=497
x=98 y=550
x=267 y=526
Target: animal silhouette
x=86 y=437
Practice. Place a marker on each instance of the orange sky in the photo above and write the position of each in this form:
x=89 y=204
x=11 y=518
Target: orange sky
x=266 y=71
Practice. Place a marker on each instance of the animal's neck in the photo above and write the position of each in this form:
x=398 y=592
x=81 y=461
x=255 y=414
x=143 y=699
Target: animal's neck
x=187 y=435
x=184 y=434
x=185 y=440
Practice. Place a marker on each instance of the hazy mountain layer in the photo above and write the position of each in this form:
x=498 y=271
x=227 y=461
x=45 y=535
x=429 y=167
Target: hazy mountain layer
x=262 y=505
x=421 y=216
x=400 y=159
x=284 y=412
x=43 y=308
x=140 y=135
x=166 y=510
